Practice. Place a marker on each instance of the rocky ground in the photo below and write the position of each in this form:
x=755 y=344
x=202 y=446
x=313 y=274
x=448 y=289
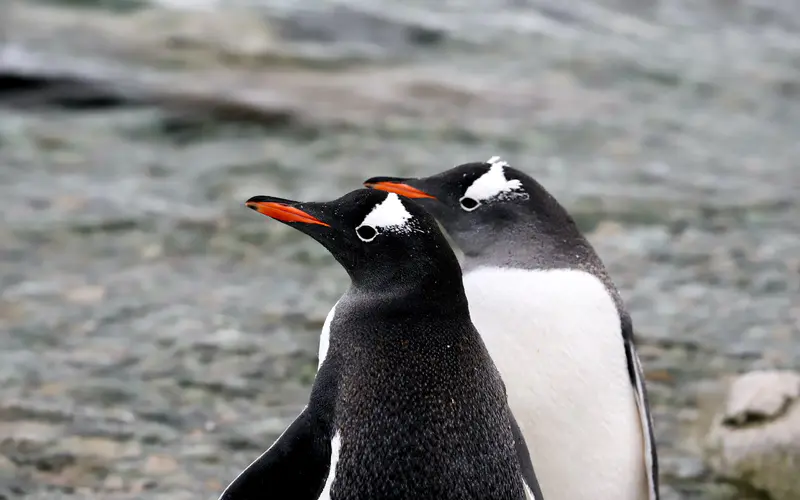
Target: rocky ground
x=157 y=335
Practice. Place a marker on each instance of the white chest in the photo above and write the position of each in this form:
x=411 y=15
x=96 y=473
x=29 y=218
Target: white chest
x=325 y=336
x=336 y=447
x=556 y=339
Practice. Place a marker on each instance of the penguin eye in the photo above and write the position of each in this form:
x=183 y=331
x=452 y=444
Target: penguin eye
x=469 y=204
x=366 y=233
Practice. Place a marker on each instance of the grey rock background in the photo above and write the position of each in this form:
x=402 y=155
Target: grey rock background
x=156 y=336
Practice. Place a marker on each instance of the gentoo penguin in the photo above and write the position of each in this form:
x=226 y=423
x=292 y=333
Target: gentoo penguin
x=555 y=326
x=406 y=403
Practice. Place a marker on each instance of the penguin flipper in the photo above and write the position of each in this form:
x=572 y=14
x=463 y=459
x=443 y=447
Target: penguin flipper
x=525 y=463
x=295 y=466
x=637 y=380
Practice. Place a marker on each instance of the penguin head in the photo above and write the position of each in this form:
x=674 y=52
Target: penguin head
x=477 y=202
x=377 y=236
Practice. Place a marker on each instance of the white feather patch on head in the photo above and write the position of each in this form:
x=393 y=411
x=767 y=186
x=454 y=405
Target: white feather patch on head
x=496 y=160
x=494 y=184
x=389 y=214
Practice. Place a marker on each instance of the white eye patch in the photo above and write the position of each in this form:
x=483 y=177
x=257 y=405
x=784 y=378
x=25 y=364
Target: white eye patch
x=390 y=214
x=493 y=184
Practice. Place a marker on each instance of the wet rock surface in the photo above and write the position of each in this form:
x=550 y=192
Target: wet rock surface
x=156 y=336
x=755 y=439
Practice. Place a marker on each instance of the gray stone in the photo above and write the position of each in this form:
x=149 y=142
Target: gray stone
x=755 y=440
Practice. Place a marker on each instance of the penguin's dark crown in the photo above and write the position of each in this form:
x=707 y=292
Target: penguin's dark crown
x=467 y=186
x=490 y=192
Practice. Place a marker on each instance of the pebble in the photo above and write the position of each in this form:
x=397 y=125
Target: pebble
x=85 y=295
x=160 y=465
x=98 y=447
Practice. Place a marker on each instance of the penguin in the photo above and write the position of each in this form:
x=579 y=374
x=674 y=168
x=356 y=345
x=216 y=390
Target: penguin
x=555 y=326
x=406 y=402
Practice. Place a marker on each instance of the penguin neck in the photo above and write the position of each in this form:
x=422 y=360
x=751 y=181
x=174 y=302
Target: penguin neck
x=426 y=286
x=533 y=245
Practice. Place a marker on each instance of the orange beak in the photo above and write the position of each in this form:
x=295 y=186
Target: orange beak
x=283 y=213
x=399 y=188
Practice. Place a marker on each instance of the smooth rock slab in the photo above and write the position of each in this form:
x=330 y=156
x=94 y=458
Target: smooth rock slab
x=754 y=441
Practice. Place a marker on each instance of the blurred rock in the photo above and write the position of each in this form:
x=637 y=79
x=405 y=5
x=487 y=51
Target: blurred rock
x=160 y=464
x=87 y=294
x=97 y=447
x=343 y=23
x=754 y=441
